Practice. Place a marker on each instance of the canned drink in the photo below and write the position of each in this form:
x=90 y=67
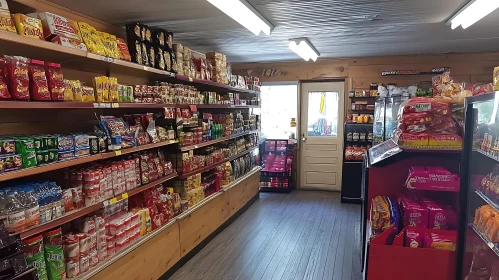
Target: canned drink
x=94 y=145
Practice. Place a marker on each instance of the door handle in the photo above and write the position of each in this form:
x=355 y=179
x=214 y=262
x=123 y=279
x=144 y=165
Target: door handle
x=303 y=138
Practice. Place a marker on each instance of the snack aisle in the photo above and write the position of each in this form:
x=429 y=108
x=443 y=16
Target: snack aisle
x=112 y=146
x=478 y=251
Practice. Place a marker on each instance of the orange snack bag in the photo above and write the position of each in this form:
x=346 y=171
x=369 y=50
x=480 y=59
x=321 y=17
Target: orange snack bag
x=486 y=214
x=494 y=230
x=28 y=26
x=123 y=49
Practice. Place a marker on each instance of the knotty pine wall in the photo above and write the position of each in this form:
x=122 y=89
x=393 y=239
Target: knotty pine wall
x=358 y=73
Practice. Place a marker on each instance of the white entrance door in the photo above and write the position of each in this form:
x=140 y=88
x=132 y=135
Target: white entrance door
x=321 y=149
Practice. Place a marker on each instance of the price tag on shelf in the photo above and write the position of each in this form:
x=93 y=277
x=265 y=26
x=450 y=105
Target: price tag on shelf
x=105 y=203
x=117 y=153
x=196 y=146
x=107 y=59
x=102 y=105
x=96 y=105
x=115 y=105
x=169 y=74
x=107 y=105
x=124 y=196
x=113 y=201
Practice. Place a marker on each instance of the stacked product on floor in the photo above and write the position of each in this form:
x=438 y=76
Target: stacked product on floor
x=277 y=166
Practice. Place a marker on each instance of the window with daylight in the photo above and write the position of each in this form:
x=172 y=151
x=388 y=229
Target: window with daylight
x=279 y=105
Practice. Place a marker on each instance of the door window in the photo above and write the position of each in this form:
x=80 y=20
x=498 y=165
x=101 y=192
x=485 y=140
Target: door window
x=322 y=113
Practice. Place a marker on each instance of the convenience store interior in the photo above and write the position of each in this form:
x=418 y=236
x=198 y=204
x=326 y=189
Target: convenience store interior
x=249 y=139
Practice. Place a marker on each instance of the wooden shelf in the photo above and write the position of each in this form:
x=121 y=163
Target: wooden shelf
x=15 y=44
x=91 y=105
x=197 y=146
x=72 y=215
x=209 y=167
x=72 y=162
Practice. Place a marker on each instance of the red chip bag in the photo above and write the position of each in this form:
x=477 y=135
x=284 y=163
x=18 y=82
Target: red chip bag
x=38 y=81
x=424 y=104
x=416 y=118
x=55 y=81
x=447 y=127
x=4 y=89
x=18 y=78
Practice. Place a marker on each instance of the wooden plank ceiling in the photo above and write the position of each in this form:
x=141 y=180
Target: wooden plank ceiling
x=338 y=28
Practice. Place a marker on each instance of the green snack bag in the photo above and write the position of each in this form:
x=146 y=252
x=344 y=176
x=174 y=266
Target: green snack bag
x=42 y=157
x=51 y=141
x=40 y=143
x=26 y=147
x=52 y=155
x=54 y=255
x=34 y=254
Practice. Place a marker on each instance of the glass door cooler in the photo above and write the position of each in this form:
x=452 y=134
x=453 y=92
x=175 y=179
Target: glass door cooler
x=478 y=248
x=385 y=118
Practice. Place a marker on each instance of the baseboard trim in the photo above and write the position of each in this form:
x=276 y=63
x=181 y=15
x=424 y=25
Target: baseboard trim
x=169 y=273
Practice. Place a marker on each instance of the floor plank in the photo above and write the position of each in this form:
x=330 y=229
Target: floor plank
x=302 y=235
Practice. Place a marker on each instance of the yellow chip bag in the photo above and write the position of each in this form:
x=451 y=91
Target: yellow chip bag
x=77 y=90
x=28 y=26
x=100 y=48
x=111 y=45
x=86 y=35
x=101 y=84
x=88 y=94
x=68 y=91
x=6 y=22
x=114 y=95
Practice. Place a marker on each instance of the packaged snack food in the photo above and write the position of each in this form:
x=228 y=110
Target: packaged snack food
x=414 y=239
x=135 y=49
x=134 y=32
x=432 y=178
x=26 y=148
x=414 y=215
x=101 y=84
x=413 y=140
x=160 y=38
x=86 y=35
x=380 y=215
x=495 y=78
x=77 y=90
x=54 y=25
x=145 y=54
x=28 y=26
x=123 y=49
x=38 y=81
x=113 y=89
x=68 y=91
x=424 y=104
x=54 y=255
x=69 y=42
x=445 y=140
x=4 y=89
x=87 y=94
x=71 y=246
x=6 y=23
x=55 y=81
x=34 y=254
x=441 y=241
x=110 y=44
x=16 y=69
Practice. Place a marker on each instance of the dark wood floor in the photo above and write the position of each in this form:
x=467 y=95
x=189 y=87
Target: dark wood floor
x=302 y=235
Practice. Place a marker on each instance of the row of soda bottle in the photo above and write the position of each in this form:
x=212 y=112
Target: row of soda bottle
x=30 y=204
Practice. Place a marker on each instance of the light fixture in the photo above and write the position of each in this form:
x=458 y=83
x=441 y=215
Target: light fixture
x=303 y=48
x=474 y=11
x=242 y=12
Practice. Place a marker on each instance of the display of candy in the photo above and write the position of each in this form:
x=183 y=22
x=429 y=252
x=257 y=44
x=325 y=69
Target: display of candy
x=432 y=178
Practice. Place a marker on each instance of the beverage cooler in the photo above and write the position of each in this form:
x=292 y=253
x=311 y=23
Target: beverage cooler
x=478 y=248
x=385 y=117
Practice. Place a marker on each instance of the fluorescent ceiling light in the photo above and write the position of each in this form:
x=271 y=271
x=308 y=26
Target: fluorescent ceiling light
x=303 y=48
x=474 y=11
x=242 y=12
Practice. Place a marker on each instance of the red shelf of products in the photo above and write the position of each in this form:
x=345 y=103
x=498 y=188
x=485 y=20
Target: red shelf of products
x=89 y=209
x=197 y=146
x=211 y=166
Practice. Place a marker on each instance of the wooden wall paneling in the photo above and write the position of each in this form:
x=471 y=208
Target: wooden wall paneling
x=148 y=261
x=243 y=192
x=198 y=225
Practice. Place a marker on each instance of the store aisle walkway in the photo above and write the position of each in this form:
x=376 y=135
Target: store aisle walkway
x=302 y=235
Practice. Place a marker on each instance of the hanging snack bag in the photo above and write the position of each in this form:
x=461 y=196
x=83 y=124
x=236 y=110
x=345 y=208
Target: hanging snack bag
x=55 y=81
x=113 y=89
x=28 y=26
x=38 y=81
x=18 y=78
x=54 y=255
x=34 y=254
x=77 y=90
x=123 y=49
x=159 y=38
x=68 y=91
x=145 y=54
x=87 y=94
